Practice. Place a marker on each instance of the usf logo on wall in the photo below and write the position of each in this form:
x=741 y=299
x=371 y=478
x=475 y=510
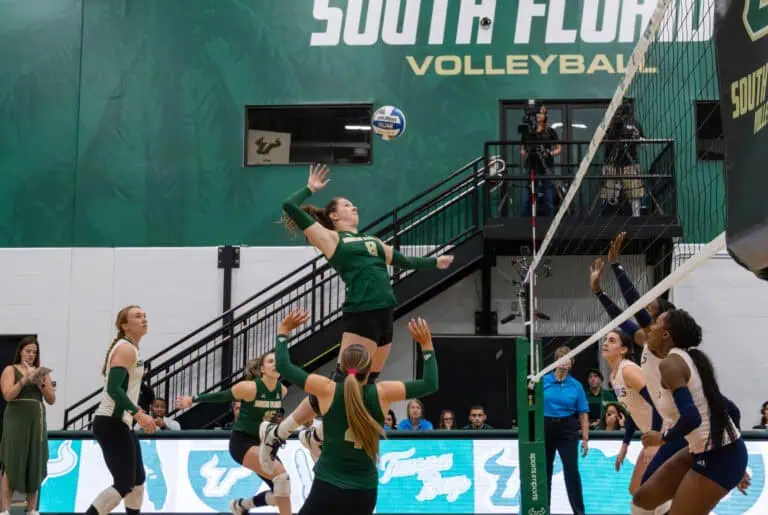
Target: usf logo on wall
x=268 y=147
x=756 y=18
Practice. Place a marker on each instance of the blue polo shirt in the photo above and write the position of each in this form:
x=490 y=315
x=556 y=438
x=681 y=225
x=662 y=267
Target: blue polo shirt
x=405 y=425
x=563 y=398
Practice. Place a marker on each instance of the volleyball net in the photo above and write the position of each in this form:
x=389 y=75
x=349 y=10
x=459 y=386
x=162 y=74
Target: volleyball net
x=653 y=173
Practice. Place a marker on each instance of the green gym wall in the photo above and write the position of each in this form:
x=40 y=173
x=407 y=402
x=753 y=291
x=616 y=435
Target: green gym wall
x=121 y=122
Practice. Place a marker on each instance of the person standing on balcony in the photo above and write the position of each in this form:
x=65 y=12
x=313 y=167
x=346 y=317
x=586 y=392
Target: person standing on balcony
x=24 y=448
x=346 y=475
x=123 y=370
x=539 y=149
x=621 y=162
x=361 y=261
x=261 y=398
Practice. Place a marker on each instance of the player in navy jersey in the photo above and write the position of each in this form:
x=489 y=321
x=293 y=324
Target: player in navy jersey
x=714 y=461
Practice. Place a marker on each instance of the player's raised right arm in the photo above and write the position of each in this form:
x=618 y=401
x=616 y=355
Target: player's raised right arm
x=304 y=216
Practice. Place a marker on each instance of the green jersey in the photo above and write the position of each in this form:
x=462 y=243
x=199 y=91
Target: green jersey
x=360 y=261
x=341 y=463
x=253 y=413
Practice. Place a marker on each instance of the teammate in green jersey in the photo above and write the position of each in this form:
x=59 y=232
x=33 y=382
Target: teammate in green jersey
x=361 y=260
x=346 y=475
x=261 y=396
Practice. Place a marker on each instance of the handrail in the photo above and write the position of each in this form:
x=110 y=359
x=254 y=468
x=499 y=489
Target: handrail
x=303 y=280
x=583 y=142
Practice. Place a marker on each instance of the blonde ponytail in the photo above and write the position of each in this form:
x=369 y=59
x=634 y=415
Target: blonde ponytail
x=356 y=362
x=109 y=349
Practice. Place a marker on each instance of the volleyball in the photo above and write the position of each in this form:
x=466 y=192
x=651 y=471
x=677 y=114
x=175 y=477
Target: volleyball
x=388 y=122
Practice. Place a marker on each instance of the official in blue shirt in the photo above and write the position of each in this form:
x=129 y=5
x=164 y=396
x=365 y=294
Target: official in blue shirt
x=565 y=409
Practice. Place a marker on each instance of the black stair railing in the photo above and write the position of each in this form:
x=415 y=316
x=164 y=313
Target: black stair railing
x=434 y=221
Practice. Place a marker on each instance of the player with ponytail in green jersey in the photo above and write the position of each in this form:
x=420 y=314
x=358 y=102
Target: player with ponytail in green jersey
x=346 y=475
x=261 y=395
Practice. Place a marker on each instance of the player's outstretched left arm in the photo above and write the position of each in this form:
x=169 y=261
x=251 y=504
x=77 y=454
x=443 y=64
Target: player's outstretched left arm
x=395 y=258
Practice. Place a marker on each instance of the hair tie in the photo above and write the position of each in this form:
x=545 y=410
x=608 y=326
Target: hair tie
x=352 y=371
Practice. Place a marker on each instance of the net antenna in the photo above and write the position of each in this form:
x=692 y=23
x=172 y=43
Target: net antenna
x=655 y=165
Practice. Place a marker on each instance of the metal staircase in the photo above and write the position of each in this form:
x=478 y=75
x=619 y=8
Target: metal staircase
x=445 y=218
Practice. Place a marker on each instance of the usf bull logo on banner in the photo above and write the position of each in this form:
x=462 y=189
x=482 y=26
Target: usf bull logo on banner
x=741 y=27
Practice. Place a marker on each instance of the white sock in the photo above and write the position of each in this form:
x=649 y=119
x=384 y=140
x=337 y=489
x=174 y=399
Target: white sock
x=636 y=510
x=664 y=508
x=287 y=427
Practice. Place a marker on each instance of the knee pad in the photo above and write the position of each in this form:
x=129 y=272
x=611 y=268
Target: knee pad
x=372 y=377
x=107 y=500
x=314 y=404
x=634 y=509
x=282 y=485
x=134 y=498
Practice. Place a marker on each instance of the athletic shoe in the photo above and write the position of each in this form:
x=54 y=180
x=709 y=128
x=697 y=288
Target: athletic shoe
x=310 y=440
x=270 y=444
x=236 y=508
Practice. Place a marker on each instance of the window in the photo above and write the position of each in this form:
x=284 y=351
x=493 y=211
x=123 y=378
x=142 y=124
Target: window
x=710 y=145
x=332 y=134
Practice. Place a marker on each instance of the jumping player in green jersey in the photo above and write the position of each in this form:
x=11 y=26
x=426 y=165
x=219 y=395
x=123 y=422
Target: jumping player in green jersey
x=346 y=475
x=361 y=260
x=261 y=396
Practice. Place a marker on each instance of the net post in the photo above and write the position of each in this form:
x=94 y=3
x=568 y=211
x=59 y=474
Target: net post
x=530 y=439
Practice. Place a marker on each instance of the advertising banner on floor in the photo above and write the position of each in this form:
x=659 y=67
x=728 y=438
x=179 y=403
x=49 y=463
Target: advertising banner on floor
x=415 y=476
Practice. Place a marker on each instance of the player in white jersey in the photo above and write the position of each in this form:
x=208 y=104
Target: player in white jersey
x=696 y=478
x=116 y=413
x=630 y=389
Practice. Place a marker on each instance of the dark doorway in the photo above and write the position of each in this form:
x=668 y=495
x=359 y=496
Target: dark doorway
x=473 y=370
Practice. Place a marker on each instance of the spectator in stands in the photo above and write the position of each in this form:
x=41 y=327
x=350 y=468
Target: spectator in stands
x=159 y=409
x=539 y=149
x=390 y=421
x=597 y=397
x=24 y=447
x=763 y=417
x=565 y=411
x=447 y=420
x=415 y=420
x=613 y=418
x=477 y=418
